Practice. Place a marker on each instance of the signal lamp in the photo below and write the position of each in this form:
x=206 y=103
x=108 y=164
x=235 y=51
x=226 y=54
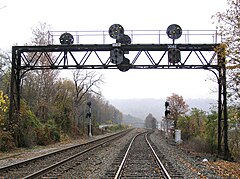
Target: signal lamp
x=115 y=30
x=89 y=103
x=174 y=31
x=66 y=39
x=125 y=65
x=116 y=56
x=174 y=55
x=166 y=104
x=124 y=39
x=167 y=112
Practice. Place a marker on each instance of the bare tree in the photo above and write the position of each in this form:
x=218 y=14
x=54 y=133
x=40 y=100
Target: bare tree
x=86 y=82
x=39 y=84
x=4 y=62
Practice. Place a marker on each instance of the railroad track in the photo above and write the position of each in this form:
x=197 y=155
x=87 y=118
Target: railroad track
x=38 y=166
x=139 y=159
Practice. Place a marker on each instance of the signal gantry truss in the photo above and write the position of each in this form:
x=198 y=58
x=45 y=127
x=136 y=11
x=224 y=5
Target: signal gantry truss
x=92 y=56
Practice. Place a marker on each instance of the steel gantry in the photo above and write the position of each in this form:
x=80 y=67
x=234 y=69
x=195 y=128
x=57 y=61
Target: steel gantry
x=101 y=56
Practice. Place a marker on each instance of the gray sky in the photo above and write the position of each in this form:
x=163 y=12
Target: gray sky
x=19 y=17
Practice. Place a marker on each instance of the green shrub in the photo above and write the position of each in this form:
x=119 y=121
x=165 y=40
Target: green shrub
x=6 y=141
x=28 y=129
x=210 y=133
x=42 y=137
x=117 y=127
x=234 y=143
x=53 y=131
x=48 y=134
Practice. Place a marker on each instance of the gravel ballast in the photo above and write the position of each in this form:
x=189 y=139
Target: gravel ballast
x=95 y=164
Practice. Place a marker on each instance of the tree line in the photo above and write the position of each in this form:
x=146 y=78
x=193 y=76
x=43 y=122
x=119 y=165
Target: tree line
x=52 y=107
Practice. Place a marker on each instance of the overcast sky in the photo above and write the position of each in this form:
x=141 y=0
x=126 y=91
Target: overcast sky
x=20 y=16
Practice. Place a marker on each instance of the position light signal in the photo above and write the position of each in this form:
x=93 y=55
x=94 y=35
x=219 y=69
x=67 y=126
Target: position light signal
x=66 y=39
x=174 y=55
x=125 y=65
x=116 y=56
x=174 y=31
x=115 y=30
x=123 y=39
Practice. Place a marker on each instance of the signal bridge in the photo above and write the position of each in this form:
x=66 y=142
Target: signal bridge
x=124 y=50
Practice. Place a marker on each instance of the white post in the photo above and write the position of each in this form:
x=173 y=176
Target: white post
x=90 y=128
x=178 y=139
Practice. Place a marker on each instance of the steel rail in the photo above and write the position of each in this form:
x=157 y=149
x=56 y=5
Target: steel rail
x=167 y=176
x=15 y=165
x=124 y=158
x=49 y=168
x=165 y=172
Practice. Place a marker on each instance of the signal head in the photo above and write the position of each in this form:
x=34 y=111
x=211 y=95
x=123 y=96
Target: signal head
x=174 y=31
x=66 y=39
x=115 y=30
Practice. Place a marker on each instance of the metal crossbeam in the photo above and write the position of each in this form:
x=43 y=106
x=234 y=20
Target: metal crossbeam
x=91 y=56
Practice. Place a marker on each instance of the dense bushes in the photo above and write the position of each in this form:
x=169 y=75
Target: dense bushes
x=27 y=128
x=48 y=134
x=29 y=131
x=199 y=130
x=6 y=141
x=34 y=132
x=117 y=127
x=6 y=138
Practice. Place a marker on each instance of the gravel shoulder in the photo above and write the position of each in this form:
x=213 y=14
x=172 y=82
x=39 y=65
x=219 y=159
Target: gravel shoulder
x=20 y=154
x=196 y=165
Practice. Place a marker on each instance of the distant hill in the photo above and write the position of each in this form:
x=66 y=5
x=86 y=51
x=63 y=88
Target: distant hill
x=140 y=108
x=134 y=121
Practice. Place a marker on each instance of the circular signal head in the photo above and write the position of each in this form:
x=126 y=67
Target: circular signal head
x=174 y=56
x=115 y=30
x=116 y=56
x=66 y=39
x=124 y=65
x=174 y=31
x=124 y=39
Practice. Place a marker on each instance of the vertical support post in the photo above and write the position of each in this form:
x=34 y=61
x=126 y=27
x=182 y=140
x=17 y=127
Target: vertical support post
x=225 y=115
x=18 y=84
x=219 y=108
x=222 y=105
x=90 y=125
x=14 y=109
